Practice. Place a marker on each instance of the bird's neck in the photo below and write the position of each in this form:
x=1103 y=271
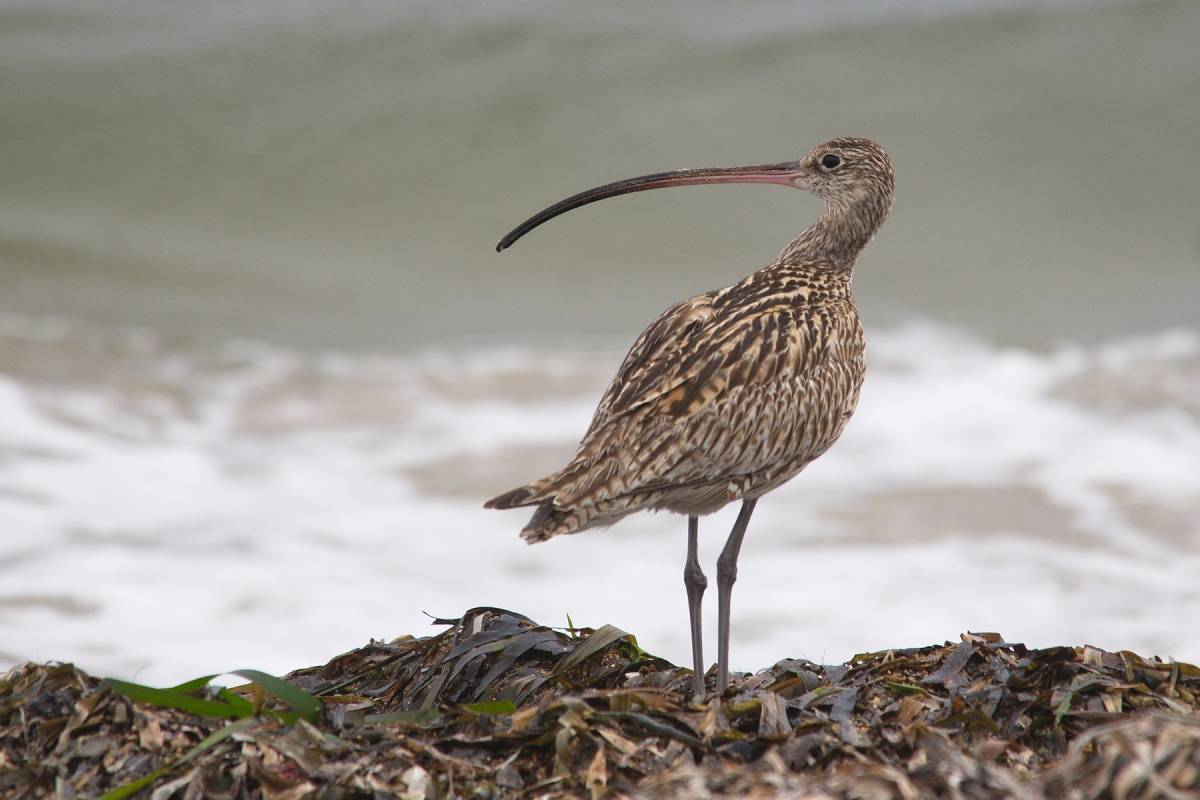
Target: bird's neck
x=840 y=233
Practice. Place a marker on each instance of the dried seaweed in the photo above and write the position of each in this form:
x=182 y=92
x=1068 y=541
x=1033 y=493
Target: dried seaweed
x=499 y=706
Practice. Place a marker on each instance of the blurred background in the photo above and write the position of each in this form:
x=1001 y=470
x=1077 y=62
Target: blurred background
x=260 y=365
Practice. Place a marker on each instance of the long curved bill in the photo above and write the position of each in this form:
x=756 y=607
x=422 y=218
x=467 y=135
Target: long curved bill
x=785 y=174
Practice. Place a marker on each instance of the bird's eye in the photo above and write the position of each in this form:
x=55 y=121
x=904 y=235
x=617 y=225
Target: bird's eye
x=830 y=161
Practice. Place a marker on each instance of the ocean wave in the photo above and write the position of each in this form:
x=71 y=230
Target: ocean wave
x=173 y=506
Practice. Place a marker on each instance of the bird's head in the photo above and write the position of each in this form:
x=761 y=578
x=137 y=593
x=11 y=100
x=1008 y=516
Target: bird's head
x=846 y=171
x=842 y=172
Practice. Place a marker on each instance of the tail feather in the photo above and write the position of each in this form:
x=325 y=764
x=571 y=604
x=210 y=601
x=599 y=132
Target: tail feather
x=549 y=521
x=544 y=523
x=529 y=495
x=567 y=502
x=514 y=499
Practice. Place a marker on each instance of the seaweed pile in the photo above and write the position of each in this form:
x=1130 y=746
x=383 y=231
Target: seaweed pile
x=499 y=706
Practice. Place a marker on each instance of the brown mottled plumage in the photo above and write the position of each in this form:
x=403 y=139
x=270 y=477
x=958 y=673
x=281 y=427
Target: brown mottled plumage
x=731 y=393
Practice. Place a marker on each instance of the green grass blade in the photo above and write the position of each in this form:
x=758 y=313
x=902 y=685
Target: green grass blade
x=194 y=685
x=491 y=707
x=300 y=701
x=184 y=702
x=228 y=705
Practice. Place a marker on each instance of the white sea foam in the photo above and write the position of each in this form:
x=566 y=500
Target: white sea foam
x=172 y=509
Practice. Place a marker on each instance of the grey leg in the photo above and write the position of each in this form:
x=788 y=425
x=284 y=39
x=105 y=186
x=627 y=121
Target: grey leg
x=695 y=583
x=726 y=575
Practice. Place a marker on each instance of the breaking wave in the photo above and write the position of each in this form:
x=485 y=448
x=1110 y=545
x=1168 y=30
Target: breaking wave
x=173 y=506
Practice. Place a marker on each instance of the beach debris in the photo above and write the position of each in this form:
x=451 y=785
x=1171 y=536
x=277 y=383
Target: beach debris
x=499 y=706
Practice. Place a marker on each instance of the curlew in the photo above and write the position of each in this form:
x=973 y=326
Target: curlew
x=731 y=393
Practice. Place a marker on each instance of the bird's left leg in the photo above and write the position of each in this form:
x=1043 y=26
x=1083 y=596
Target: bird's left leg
x=695 y=583
x=726 y=575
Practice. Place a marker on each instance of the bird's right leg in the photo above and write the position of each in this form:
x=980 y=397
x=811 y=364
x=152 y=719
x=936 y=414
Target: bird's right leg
x=695 y=583
x=726 y=575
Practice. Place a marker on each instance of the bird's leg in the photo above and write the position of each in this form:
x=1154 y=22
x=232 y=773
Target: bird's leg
x=726 y=575
x=695 y=583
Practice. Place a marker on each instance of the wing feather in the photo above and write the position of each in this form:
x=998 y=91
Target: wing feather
x=705 y=394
